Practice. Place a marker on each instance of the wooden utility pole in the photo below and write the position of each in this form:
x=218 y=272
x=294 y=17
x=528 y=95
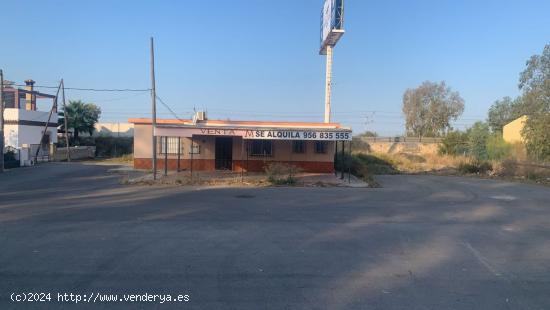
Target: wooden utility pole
x=153 y=109
x=65 y=121
x=54 y=107
x=1 y=121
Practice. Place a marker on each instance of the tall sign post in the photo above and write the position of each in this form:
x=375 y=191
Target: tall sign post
x=332 y=29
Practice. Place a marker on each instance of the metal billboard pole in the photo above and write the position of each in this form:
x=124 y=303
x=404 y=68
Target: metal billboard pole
x=332 y=29
x=328 y=83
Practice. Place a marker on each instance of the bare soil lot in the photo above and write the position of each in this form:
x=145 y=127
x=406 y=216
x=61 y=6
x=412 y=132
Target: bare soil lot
x=420 y=242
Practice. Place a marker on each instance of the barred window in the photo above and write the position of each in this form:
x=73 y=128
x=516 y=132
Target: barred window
x=299 y=147
x=261 y=148
x=169 y=144
x=320 y=147
x=195 y=148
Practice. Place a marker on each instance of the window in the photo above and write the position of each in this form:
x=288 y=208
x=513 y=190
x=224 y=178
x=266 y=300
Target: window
x=320 y=147
x=9 y=98
x=261 y=148
x=299 y=147
x=169 y=144
x=195 y=148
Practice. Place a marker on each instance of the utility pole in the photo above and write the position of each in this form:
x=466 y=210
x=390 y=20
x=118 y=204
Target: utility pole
x=1 y=121
x=153 y=109
x=66 y=123
x=54 y=107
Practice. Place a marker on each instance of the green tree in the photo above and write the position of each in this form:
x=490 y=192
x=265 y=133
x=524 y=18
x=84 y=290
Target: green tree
x=537 y=137
x=478 y=135
x=503 y=112
x=535 y=84
x=497 y=148
x=454 y=143
x=81 y=117
x=430 y=108
x=369 y=134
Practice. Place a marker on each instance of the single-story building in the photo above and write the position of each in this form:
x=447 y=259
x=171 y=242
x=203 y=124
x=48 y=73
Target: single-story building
x=202 y=144
x=511 y=132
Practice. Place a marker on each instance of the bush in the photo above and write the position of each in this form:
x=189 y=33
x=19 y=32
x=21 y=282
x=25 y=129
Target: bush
x=9 y=155
x=9 y=160
x=526 y=170
x=477 y=167
x=281 y=174
x=114 y=146
x=358 y=144
x=477 y=142
x=454 y=143
x=362 y=165
x=105 y=146
x=497 y=148
x=478 y=135
x=537 y=136
x=507 y=168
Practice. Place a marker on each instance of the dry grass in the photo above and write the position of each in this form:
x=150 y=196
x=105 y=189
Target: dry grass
x=124 y=159
x=516 y=168
x=522 y=170
x=413 y=163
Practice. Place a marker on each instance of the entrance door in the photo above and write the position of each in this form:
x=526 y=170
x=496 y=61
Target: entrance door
x=224 y=153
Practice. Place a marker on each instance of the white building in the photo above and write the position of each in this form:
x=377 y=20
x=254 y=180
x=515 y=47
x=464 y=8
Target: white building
x=114 y=130
x=24 y=126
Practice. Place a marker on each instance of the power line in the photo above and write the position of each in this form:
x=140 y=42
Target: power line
x=91 y=89
x=169 y=109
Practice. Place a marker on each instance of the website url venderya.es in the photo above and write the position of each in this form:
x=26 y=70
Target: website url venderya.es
x=93 y=297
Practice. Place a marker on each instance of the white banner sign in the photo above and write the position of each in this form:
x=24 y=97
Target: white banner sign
x=261 y=134
x=297 y=135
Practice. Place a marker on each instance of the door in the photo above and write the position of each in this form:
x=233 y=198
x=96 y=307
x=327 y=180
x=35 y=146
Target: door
x=224 y=153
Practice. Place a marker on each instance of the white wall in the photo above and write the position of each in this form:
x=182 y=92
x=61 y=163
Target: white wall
x=11 y=135
x=33 y=134
x=114 y=129
x=20 y=114
x=17 y=135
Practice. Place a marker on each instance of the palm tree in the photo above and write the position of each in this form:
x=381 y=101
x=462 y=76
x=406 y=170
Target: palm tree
x=81 y=117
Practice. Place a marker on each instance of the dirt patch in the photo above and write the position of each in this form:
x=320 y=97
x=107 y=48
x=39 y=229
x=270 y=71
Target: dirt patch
x=222 y=178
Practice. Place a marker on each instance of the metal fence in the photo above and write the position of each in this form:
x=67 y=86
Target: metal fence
x=401 y=139
x=44 y=154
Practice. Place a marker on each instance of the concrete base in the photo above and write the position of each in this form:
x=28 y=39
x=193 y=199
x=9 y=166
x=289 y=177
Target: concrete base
x=238 y=165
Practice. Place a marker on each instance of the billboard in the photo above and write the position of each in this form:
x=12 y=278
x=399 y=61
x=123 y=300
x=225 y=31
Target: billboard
x=332 y=23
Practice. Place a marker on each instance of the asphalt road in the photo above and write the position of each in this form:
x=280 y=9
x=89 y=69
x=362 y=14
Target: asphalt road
x=421 y=242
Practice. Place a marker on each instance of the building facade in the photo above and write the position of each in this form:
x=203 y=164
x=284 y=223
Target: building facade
x=23 y=124
x=511 y=132
x=210 y=145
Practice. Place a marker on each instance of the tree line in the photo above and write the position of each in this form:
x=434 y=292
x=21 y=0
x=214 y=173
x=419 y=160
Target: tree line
x=430 y=109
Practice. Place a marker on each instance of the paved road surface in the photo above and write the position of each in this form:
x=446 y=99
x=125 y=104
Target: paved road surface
x=421 y=242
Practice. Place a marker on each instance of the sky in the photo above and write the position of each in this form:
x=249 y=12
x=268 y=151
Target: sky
x=259 y=59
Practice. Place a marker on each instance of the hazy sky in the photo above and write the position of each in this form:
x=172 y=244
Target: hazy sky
x=258 y=59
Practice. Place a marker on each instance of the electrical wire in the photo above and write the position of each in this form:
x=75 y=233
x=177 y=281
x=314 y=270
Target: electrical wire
x=169 y=109
x=90 y=89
